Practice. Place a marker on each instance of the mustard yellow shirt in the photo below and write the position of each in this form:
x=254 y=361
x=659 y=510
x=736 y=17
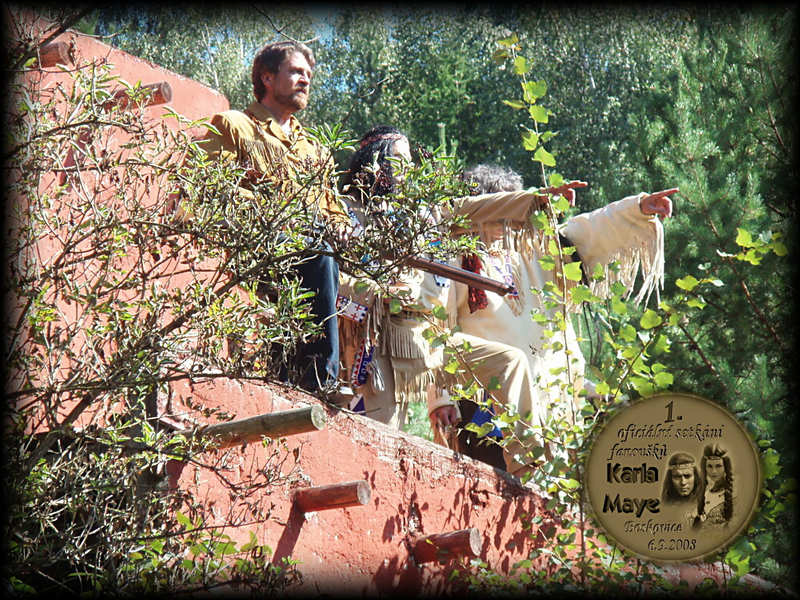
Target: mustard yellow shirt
x=255 y=140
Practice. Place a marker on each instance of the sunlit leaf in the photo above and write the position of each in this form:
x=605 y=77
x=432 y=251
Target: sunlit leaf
x=508 y=41
x=544 y=157
x=515 y=104
x=743 y=238
x=687 y=283
x=530 y=140
x=663 y=379
x=650 y=319
x=573 y=271
x=547 y=262
x=538 y=113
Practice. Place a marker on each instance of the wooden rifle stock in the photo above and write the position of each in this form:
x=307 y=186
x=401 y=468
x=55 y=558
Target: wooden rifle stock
x=461 y=275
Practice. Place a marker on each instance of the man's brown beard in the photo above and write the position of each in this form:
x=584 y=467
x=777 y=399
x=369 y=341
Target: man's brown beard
x=297 y=100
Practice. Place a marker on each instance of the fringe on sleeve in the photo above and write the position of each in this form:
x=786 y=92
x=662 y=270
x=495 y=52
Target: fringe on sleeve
x=644 y=255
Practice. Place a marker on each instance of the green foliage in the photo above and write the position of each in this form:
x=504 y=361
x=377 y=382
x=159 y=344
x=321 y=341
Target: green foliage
x=95 y=516
x=417 y=423
x=719 y=126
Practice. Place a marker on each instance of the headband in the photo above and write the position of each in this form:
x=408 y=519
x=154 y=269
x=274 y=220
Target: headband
x=381 y=136
x=682 y=464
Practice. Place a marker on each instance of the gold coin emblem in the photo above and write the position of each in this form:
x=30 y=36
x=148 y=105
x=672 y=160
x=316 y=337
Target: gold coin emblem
x=673 y=477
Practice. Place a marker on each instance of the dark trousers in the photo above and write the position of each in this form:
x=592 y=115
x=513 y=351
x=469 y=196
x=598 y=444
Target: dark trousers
x=318 y=360
x=313 y=365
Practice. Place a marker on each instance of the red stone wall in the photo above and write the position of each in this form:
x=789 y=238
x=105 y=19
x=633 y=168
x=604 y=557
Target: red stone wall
x=417 y=488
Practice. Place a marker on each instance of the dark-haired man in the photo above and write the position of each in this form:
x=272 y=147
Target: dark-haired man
x=271 y=143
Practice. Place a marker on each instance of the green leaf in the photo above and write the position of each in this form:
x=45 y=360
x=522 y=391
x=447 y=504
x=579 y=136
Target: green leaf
x=560 y=205
x=743 y=238
x=508 y=41
x=650 y=319
x=627 y=332
x=452 y=366
x=361 y=286
x=251 y=544
x=524 y=564
x=515 y=104
x=572 y=271
x=602 y=388
x=395 y=306
x=480 y=430
x=687 y=283
x=521 y=65
x=533 y=90
x=440 y=312
x=530 y=140
x=770 y=460
x=544 y=157
x=500 y=56
x=538 y=113
x=598 y=273
x=779 y=248
x=663 y=379
x=548 y=263
x=618 y=306
x=539 y=219
x=752 y=256
x=183 y=520
x=642 y=385
x=696 y=303
x=581 y=293
x=660 y=345
x=555 y=180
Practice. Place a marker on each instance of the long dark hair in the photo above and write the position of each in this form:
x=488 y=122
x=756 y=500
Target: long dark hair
x=715 y=451
x=360 y=181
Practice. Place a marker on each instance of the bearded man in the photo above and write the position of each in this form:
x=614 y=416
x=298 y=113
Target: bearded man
x=271 y=143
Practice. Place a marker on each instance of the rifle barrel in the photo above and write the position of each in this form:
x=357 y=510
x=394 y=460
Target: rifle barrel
x=461 y=275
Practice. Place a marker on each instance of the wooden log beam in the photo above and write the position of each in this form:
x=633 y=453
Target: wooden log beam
x=272 y=425
x=338 y=495
x=156 y=93
x=444 y=546
x=54 y=53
